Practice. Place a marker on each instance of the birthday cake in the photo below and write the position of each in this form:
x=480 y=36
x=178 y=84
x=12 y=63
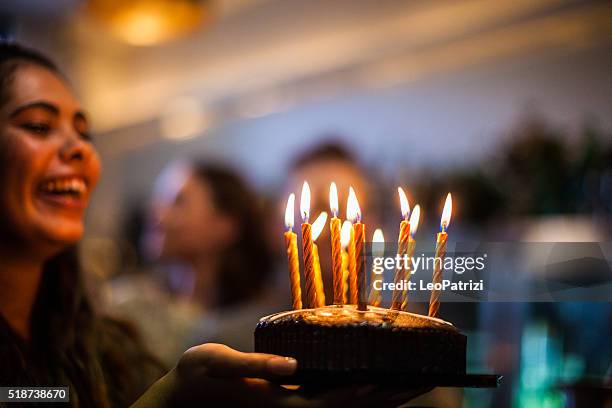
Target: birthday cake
x=341 y=339
x=364 y=339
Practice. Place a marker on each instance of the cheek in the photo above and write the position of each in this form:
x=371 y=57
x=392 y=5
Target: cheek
x=197 y=229
x=94 y=169
x=197 y=232
x=22 y=159
x=26 y=160
x=216 y=235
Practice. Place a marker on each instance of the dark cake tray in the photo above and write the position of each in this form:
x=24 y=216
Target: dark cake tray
x=332 y=379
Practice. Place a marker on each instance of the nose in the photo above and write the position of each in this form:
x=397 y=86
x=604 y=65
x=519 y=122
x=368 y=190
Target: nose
x=74 y=149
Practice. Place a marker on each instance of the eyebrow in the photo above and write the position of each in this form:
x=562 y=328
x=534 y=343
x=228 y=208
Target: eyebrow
x=48 y=107
x=42 y=105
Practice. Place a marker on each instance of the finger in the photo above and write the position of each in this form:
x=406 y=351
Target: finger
x=225 y=362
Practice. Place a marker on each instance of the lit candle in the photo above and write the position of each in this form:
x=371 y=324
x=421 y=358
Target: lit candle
x=414 y=225
x=402 y=249
x=292 y=254
x=353 y=213
x=336 y=247
x=434 y=300
x=352 y=268
x=317 y=228
x=378 y=251
x=345 y=240
x=309 y=273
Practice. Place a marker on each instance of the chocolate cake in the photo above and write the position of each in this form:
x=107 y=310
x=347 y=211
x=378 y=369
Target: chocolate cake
x=340 y=339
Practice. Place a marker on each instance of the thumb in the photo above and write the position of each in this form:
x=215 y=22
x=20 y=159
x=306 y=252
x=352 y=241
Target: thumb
x=222 y=361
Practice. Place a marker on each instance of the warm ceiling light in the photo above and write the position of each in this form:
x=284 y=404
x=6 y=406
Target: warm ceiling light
x=149 y=22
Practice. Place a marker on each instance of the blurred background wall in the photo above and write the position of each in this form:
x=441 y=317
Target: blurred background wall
x=406 y=84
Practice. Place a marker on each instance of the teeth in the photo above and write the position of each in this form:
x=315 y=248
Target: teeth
x=74 y=185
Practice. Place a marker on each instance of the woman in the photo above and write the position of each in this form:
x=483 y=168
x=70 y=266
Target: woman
x=210 y=225
x=215 y=281
x=49 y=333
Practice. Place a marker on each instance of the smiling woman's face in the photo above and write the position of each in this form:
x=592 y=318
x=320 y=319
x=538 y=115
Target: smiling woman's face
x=48 y=166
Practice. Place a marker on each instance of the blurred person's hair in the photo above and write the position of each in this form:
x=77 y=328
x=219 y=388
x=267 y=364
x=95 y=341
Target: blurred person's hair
x=330 y=150
x=333 y=150
x=71 y=344
x=247 y=263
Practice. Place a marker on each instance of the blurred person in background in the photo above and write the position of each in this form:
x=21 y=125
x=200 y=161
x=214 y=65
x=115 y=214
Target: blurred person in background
x=213 y=266
x=331 y=162
x=50 y=333
x=211 y=226
x=320 y=166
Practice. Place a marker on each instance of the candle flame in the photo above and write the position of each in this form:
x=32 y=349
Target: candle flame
x=305 y=202
x=353 y=212
x=446 y=213
x=333 y=199
x=414 y=219
x=318 y=225
x=289 y=218
x=378 y=243
x=405 y=206
x=345 y=233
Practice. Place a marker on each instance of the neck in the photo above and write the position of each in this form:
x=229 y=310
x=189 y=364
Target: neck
x=205 y=291
x=19 y=280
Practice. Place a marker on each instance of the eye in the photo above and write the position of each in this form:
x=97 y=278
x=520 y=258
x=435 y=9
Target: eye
x=80 y=125
x=38 y=128
x=86 y=136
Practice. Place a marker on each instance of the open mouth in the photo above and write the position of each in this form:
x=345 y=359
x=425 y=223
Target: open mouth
x=68 y=191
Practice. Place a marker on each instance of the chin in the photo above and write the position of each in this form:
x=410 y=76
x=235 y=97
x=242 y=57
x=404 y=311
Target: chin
x=71 y=237
x=66 y=234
